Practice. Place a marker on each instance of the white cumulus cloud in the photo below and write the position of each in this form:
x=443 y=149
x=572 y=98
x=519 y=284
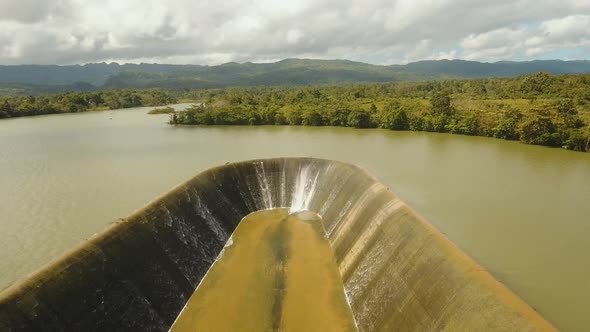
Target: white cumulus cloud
x=375 y=31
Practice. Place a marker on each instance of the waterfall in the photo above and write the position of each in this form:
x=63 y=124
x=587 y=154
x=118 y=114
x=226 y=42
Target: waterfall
x=264 y=185
x=305 y=187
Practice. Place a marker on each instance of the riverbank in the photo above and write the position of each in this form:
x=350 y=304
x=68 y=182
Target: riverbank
x=536 y=109
x=76 y=102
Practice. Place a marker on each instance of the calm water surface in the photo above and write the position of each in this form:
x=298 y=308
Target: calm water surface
x=522 y=211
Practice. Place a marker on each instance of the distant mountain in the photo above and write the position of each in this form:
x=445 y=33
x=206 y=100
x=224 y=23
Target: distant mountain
x=302 y=71
x=30 y=79
x=22 y=89
x=290 y=71
x=473 y=69
x=94 y=73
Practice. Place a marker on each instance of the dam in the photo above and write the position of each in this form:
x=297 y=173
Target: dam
x=398 y=272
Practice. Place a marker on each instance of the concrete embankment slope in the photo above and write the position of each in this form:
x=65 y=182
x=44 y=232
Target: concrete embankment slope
x=399 y=272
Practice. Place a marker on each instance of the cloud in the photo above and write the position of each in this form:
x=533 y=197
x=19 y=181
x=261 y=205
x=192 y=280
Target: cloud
x=31 y=11
x=422 y=50
x=497 y=44
x=567 y=32
x=376 y=31
x=570 y=32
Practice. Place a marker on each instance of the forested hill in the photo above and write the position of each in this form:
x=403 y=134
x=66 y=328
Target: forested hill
x=94 y=73
x=38 y=79
x=472 y=69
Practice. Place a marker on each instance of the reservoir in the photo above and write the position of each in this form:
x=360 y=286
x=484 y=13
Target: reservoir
x=278 y=274
x=521 y=211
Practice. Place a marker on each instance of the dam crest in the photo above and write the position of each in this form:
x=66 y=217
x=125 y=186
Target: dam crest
x=398 y=271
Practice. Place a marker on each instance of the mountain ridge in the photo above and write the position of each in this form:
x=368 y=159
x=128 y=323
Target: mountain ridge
x=31 y=79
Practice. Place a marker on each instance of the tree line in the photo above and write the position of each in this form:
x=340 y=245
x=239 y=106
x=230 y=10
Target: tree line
x=538 y=109
x=73 y=102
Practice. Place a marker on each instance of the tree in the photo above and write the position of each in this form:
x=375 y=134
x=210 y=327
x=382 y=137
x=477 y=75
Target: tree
x=293 y=116
x=536 y=84
x=5 y=110
x=268 y=115
x=359 y=119
x=311 y=118
x=373 y=108
x=507 y=127
x=337 y=117
x=280 y=119
x=436 y=123
x=416 y=123
x=441 y=103
x=565 y=107
x=253 y=118
x=396 y=120
x=540 y=130
x=568 y=113
x=577 y=140
x=465 y=125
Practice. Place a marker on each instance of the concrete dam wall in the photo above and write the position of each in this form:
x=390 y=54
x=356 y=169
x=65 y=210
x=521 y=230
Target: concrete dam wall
x=399 y=273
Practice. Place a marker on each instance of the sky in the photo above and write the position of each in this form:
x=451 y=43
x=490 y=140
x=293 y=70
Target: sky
x=215 y=32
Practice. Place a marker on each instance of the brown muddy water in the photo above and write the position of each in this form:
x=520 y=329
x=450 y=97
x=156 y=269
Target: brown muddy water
x=521 y=211
x=277 y=273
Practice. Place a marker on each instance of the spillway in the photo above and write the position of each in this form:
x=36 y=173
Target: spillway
x=398 y=271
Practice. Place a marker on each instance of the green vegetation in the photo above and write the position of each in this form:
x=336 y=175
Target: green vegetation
x=73 y=102
x=164 y=110
x=308 y=71
x=538 y=109
x=34 y=80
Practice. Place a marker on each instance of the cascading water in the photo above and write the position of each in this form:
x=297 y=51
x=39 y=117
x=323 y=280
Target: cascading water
x=264 y=186
x=305 y=188
x=399 y=272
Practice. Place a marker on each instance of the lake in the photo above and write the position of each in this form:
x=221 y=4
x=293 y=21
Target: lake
x=521 y=211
